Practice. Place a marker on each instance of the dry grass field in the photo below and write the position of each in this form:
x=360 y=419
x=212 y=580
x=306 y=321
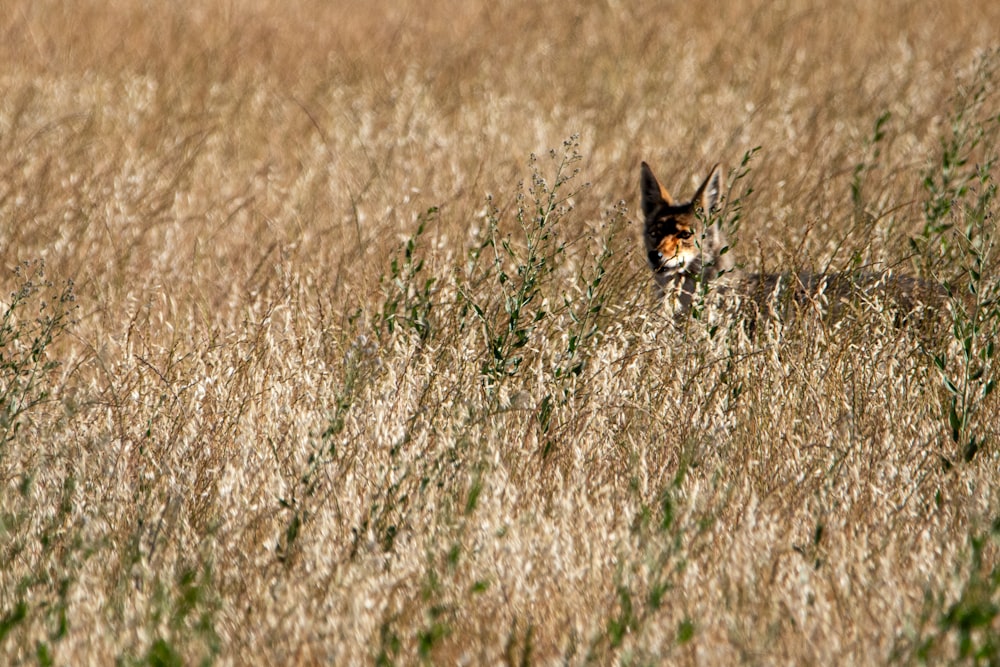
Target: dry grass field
x=328 y=335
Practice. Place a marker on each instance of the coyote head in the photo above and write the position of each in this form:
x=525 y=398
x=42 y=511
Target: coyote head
x=680 y=253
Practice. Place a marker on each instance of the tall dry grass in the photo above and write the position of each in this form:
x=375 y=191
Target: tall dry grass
x=326 y=338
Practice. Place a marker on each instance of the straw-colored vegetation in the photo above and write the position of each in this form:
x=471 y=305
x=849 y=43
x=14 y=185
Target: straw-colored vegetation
x=327 y=335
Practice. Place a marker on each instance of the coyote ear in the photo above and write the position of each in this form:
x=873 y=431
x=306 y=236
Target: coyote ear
x=710 y=191
x=653 y=192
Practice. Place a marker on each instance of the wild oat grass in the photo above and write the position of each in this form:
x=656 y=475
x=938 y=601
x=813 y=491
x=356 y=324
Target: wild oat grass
x=327 y=336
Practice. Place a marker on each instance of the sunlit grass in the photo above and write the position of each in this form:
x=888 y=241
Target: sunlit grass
x=327 y=336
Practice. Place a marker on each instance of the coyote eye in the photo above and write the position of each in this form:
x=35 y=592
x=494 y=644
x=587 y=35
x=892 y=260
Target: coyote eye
x=684 y=234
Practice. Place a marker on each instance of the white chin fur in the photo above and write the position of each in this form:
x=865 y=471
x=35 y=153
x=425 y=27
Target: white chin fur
x=678 y=261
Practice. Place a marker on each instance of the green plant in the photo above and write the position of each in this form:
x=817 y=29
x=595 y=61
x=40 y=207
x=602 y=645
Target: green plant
x=185 y=604
x=408 y=299
x=36 y=316
x=975 y=322
x=509 y=318
x=960 y=224
x=966 y=630
x=973 y=127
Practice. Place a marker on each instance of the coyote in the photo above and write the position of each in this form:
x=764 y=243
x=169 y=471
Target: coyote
x=682 y=258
